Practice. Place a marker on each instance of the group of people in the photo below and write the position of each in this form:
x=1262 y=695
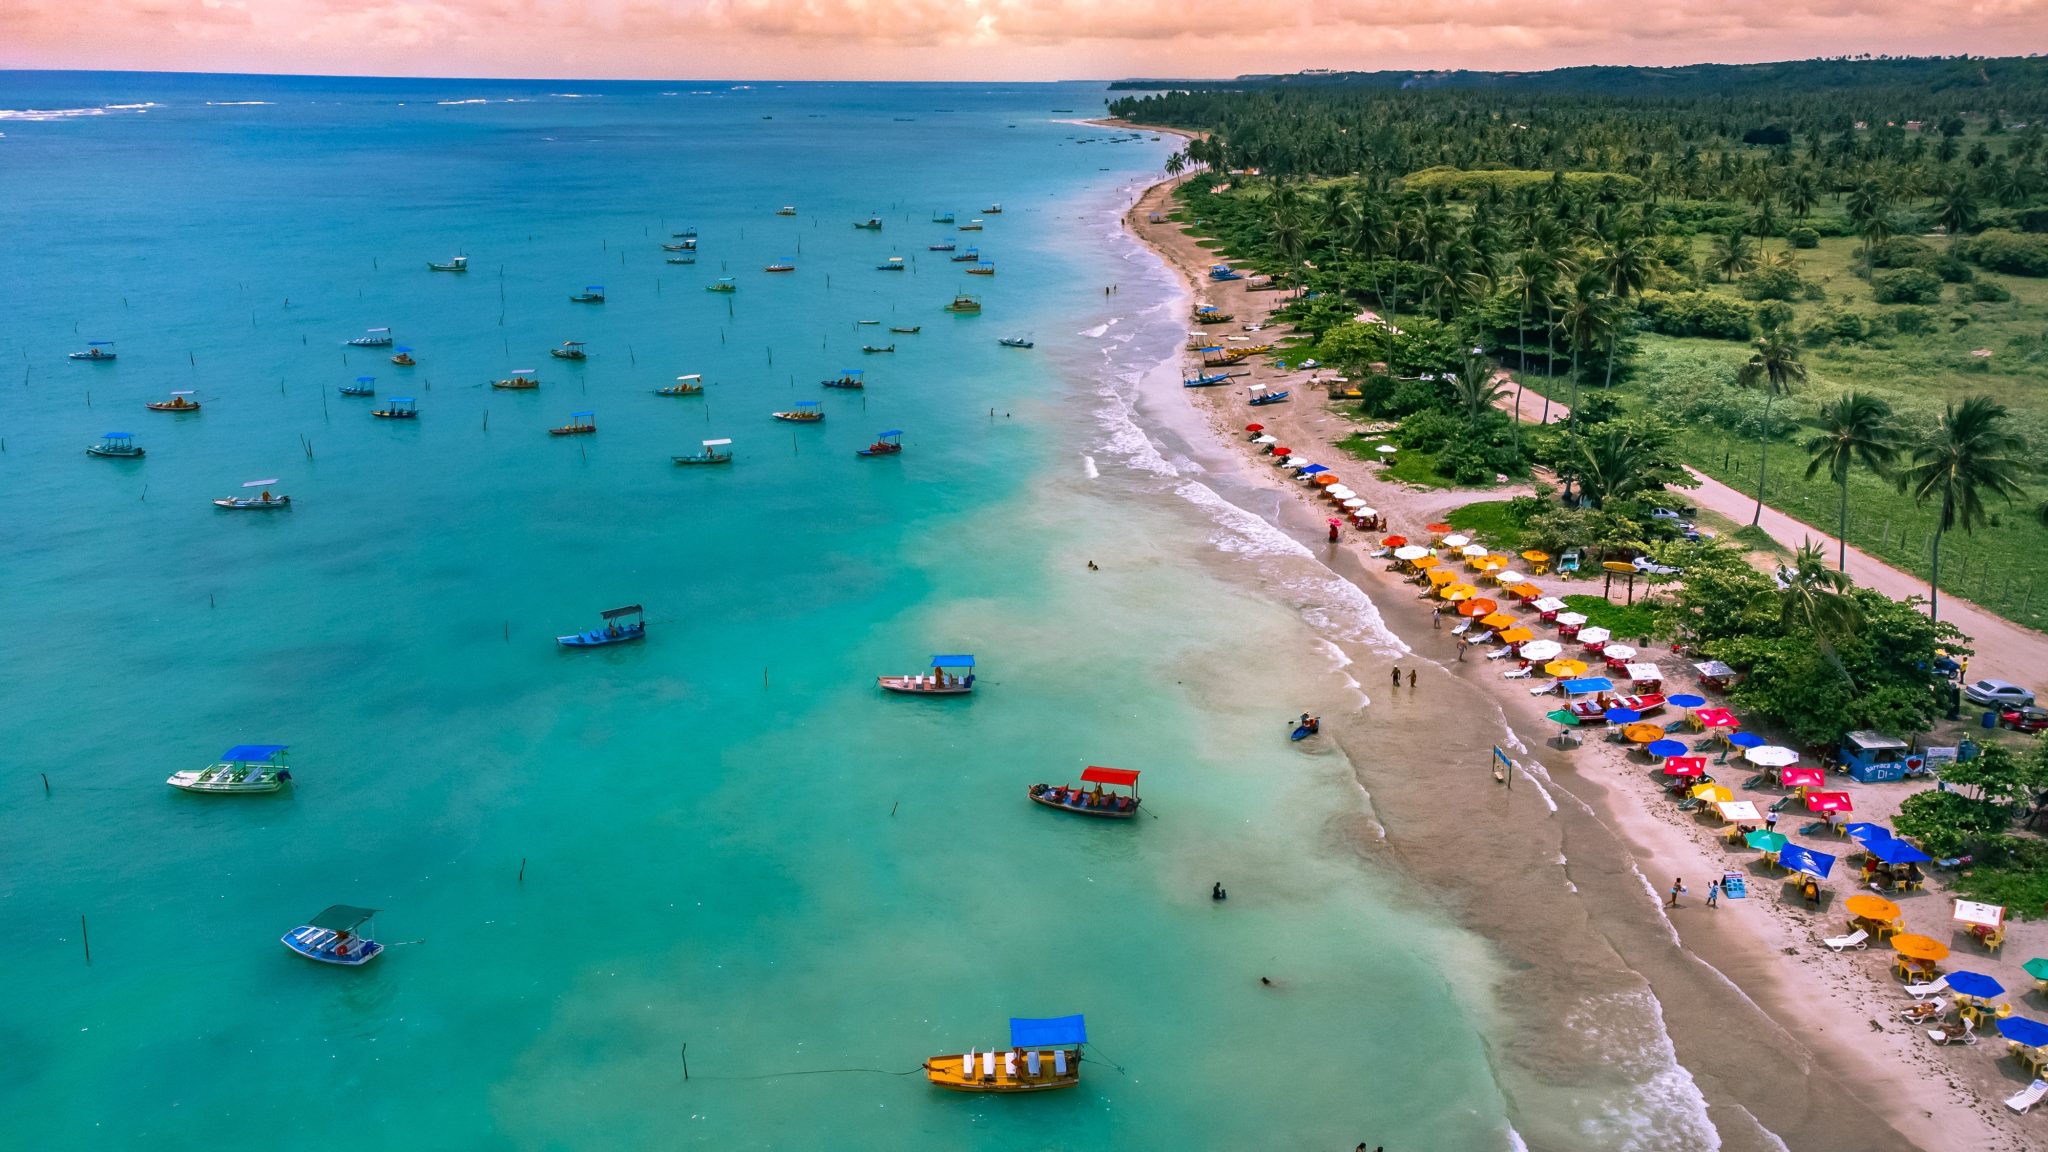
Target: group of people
x=1073 y=797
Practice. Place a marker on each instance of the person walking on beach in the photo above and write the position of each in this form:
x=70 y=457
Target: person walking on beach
x=1411 y=676
x=1397 y=675
x=1677 y=886
x=1771 y=821
x=1714 y=894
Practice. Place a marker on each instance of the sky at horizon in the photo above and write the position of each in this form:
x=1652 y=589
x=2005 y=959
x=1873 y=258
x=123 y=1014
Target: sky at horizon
x=996 y=40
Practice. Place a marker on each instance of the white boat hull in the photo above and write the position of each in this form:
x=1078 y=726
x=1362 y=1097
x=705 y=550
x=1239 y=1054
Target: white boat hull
x=220 y=782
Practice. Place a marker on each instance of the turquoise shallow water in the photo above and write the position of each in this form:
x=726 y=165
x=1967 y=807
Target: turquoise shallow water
x=730 y=840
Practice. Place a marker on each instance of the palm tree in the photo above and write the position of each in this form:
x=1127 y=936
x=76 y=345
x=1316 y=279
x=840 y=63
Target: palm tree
x=1587 y=321
x=1176 y=163
x=1802 y=194
x=1732 y=254
x=1955 y=209
x=1968 y=453
x=1478 y=387
x=1814 y=599
x=1869 y=205
x=1616 y=461
x=1854 y=430
x=1626 y=263
x=1775 y=368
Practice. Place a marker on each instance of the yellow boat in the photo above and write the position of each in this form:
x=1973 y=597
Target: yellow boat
x=1043 y=1055
x=521 y=380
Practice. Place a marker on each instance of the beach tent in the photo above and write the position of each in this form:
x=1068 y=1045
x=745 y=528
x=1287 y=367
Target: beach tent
x=1639 y=672
x=1438 y=577
x=1713 y=670
x=1737 y=811
x=1716 y=718
x=1895 y=851
x=1802 y=859
x=1976 y=914
x=1498 y=620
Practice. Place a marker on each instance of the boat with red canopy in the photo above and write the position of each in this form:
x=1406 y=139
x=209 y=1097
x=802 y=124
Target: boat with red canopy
x=1112 y=805
x=1596 y=709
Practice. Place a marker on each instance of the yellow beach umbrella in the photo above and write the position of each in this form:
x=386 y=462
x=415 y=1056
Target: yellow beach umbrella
x=1713 y=793
x=1506 y=561
x=1517 y=635
x=1441 y=576
x=1422 y=562
x=1916 y=947
x=1497 y=620
x=1457 y=591
x=1487 y=563
x=1526 y=591
x=1869 y=907
x=1535 y=557
x=1646 y=733
x=1566 y=668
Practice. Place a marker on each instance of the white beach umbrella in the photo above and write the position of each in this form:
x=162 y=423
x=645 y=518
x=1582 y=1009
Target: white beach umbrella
x=1573 y=618
x=1265 y=439
x=1353 y=502
x=1475 y=551
x=1540 y=650
x=1616 y=651
x=1460 y=542
x=1386 y=449
x=1363 y=511
x=1593 y=635
x=1508 y=578
x=1550 y=604
x=1770 y=756
x=1410 y=552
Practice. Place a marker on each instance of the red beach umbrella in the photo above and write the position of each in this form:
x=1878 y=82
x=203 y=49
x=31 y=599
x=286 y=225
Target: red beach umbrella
x=1255 y=427
x=1685 y=765
x=1282 y=450
x=1828 y=802
x=1436 y=527
x=1395 y=541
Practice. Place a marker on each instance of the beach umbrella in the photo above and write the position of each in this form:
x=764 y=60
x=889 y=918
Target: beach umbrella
x=1566 y=667
x=1438 y=527
x=1743 y=739
x=1737 y=810
x=1487 y=563
x=1438 y=577
x=1423 y=561
x=1828 y=802
x=1408 y=551
x=1562 y=717
x=1475 y=551
x=1398 y=542
x=1769 y=755
x=1364 y=511
x=1386 y=449
x=1523 y=589
x=1456 y=541
x=1477 y=607
x=1255 y=427
x=2022 y=1031
x=1863 y=833
x=1505 y=576
x=1667 y=748
x=1497 y=621
x=1892 y=850
x=1686 y=700
x=1914 y=946
x=1340 y=492
x=1792 y=777
x=1620 y=715
x=1539 y=650
x=1549 y=604
x=1458 y=592
x=1684 y=765
x=1798 y=859
x=1594 y=636
x=1268 y=439
x=1616 y=651
x=1535 y=557
x=1717 y=718
x=2037 y=968
x=1643 y=733
x=1764 y=841
x=1975 y=984
x=1354 y=502
x=1712 y=793
x=1871 y=907
x=1324 y=480
x=1571 y=618
x=1517 y=635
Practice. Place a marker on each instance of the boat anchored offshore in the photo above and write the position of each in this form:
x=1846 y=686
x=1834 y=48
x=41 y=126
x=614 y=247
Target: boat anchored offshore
x=580 y=424
x=805 y=412
x=116 y=446
x=691 y=385
x=1016 y=342
x=888 y=443
x=364 y=386
x=872 y=224
x=1043 y=1055
x=454 y=264
x=404 y=358
x=374 y=338
x=992 y=210
x=621 y=625
x=942 y=217
x=715 y=452
x=786 y=210
x=591 y=294
x=783 y=265
x=397 y=408
x=722 y=284
x=95 y=350
x=521 y=380
x=243 y=768
x=893 y=264
x=948 y=246
x=965 y=305
x=265 y=501
x=870 y=348
x=338 y=935
x=973 y=225
x=906 y=329
x=971 y=256
x=1109 y=805
x=568 y=350
x=985 y=268
x=686 y=234
x=849 y=378
x=685 y=259
x=179 y=402
x=941 y=681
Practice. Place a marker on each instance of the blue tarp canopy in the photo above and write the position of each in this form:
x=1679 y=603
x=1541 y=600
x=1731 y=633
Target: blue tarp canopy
x=1799 y=859
x=1864 y=832
x=1747 y=740
x=1893 y=851
x=1685 y=700
x=1589 y=684
x=893 y=432
x=117 y=435
x=2021 y=1030
x=1973 y=984
x=1623 y=716
x=952 y=661
x=1053 y=1032
x=242 y=753
x=1313 y=469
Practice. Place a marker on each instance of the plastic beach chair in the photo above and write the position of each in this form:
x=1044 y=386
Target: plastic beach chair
x=1967 y=1036
x=1031 y=1063
x=1858 y=939
x=1933 y=1009
x=1059 y=1062
x=2026 y=1099
x=1933 y=987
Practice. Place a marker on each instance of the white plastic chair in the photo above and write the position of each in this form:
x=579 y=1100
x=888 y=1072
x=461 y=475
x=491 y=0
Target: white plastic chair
x=1933 y=987
x=2027 y=1098
x=1967 y=1036
x=1857 y=939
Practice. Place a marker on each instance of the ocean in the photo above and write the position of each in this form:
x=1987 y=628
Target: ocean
x=722 y=848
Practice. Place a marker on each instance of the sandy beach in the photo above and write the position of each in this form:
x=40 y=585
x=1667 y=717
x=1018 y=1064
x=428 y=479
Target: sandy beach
x=1789 y=1043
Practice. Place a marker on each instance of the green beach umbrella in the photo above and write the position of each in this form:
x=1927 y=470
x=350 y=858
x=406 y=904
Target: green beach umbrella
x=2037 y=968
x=1564 y=717
x=1764 y=841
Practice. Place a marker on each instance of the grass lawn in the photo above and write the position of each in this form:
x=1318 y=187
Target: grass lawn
x=1487 y=521
x=1626 y=621
x=1409 y=466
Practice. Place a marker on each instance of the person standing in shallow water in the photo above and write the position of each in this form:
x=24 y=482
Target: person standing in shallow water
x=1411 y=677
x=1677 y=886
x=1397 y=675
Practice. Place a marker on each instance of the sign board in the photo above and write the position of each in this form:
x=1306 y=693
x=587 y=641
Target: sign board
x=1940 y=755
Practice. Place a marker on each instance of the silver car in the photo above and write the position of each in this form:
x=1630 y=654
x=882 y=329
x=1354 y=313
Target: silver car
x=2003 y=693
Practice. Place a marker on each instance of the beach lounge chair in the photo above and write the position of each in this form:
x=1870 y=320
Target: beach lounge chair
x=1965 y=1035
x=1925 y=1010
x=1059 y=1062
x=1933 y=987
x=1544 y=689
x=988 y=1065
x=1518 y=673
x=1010 y=1063
x=1859 y=939
x=1032 y=1064
x=2027 y=1098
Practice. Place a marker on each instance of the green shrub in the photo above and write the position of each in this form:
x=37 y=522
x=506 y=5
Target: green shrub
x=1911 y=321
x=1901 y=252
x=1772 y=284
x=1831 y=324
x=1459 y=182
x=1952 y=268
x=1803 y=237
x=2017 y=253
x=1707 y=314
x=1773 y=315
x=1906 y=286
x=2034 y=220
x=1983 y=292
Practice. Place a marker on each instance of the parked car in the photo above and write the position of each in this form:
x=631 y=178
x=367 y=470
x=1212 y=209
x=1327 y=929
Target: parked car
x=1649 y=567
x=2025 y=719
x=2001 y=693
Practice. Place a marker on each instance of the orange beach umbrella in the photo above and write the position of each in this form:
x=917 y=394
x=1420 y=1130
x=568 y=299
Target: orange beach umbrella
x=1497 y=620
x=1871 y=907
x=1647 y=733
x=1535 y=557
x=1917 y=947
x=1478 y=606
x=1437 y=528
x=1441 y=576
x=1517 y=635
x=1422 y=562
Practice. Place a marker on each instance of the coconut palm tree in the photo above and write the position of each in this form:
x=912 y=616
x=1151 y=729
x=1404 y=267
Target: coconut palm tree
x=1176 y=163
x=1955 y=209
x=1854 y=430
x=1775 y=368
x=1969 y=453
x=1477 y=388
x=1588 y=320
x=1732 y=254
x=1814 y=599
x=1869 y=205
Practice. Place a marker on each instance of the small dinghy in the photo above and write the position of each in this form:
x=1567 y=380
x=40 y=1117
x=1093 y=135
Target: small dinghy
x=339 y=935
x=621 y=626
x=888 y=443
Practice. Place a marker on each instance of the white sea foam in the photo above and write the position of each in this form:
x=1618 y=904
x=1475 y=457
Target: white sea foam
x=1088 y=466
x=575 y=95
x=471 y=100
x=45 y=114
x=1094 y=333
x=238 y=103
x=1664 y=1108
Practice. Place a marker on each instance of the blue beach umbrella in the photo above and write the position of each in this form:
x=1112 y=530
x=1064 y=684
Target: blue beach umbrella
x=1747 y=740
x=1865 y=832
x=1623 y=715
x=1974 y=984
x=1667 y=748
x=1894 y=851
x=1588 y=684
x=2020 y=1030
x=1686 y=700
x=1803 y=859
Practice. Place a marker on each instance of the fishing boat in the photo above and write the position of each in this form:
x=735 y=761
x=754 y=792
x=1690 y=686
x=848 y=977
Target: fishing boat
x=985 y=268
x=521 y=380
x=1261 y=397
x=992 y=210
x=568 y=350
x=805 y=412
x=892 y=264
x=870 y=348
x=95 y=350
x=783 y=265
x=690 y=385
x=1207 y=314
x=685 y=234
x=454 y=264
x=1015 y=342
x=116 y=446
x=243 y=768
x=942 y=217
x=1210 y=379
x=907 y=329
x=263 y=502
x=722 y=284
x=871 y=224
x=863 y=322
x=179 y=402
x=338 y=935
x=715 y=452
x=948 y=246
x=621 y=625
x=580 y=424
x=964 y=305
x=403 y=358
x=397 y=408
x=973 y=225
x=971 y=256
x=888 y=443
x=1109 y=805
x=591 y=294
x=942 y=681
x=682 y=259
x=1224 y=272
x=1043 y=1055
x=848 y=378
x=364 y=386
x=679 y=247
x=374 y=338
x=786 y=210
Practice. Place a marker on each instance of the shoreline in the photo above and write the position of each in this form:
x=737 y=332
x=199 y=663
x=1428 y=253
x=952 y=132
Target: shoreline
x=1913 y=1095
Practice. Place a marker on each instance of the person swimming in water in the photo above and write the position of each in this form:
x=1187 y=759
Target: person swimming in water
x=1217 y=892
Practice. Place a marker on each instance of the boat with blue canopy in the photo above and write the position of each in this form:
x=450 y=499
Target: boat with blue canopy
x=364 y=386
x=263 y=502
x=888 y=443
x=715 y=452
x=580 y=424
x=942 y=217
x=950 y=676
x=1109 y=805
x=243 y=768
x=621 y=626
x=397 y=408
x=591 y=294
x=95 y=350
x=849 y=378
x=338 y=935
x=685 y=234
x=971 y=256
x=1044 y=1054
x=116 y=446
x=374 y=338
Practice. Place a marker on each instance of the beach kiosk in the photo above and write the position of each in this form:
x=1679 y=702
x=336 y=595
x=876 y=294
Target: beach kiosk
x=1871 y=757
